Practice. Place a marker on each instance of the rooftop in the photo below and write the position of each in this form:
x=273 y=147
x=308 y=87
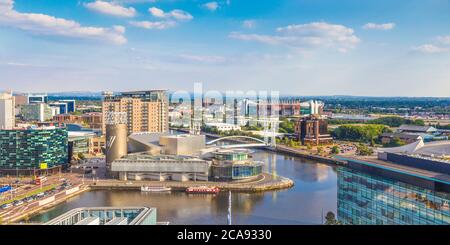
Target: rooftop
x=106 y=215
x=435 y=149
x=144 y=156
x=416 y=128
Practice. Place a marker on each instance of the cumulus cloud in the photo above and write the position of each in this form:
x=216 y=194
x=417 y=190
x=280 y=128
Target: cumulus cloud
x=213 y=6
x=381 y=27
x=249 y=24
x=110 y=8
x=429 y=49
x=158 y=25
x=175 y=14
x=48 y=25
x=441 y=44
x=203 y=58
x=303 y=36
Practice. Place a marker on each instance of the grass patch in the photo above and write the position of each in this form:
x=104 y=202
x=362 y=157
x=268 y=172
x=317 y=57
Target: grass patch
x=44 y=188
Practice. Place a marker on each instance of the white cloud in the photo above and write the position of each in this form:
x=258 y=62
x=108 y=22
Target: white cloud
x=176 y=14
x=157 y=12
x=444 y=40
x=49 y=25
x=315 y=34
x=159 y=25
x=203 y=58
x=110 y=8
x=382 y=27
x=181 y=15
x=440 y=45
x=249 y=24
x=429 y=49
x=213 y=6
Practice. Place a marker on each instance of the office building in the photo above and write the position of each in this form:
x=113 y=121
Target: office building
x=20 y=99
x=63 y=107
x=71 y=107
x=236 y=164
x=68 y=119
x=7 y=111
x=39 y=112
x=312 y=130
x=93 y=119
x=29 y=150
x=37 y=98
x=147 y=111
x=373 y=200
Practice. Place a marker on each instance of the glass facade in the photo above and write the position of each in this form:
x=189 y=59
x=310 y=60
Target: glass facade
x=28 y=148
x=236 y=171
x=80 y=145
x=231 y=156
x=246 y=171
x=367 y=199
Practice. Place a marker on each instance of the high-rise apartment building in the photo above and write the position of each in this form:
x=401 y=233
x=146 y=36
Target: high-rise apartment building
x=147 y=111
x=7 y=113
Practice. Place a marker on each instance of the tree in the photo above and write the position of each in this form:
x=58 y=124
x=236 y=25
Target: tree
x=361 y=133
x=81 y=156
x=364 y=150
x=396 y=141
x=330 y=219
x=319 y=149
x=335 y=150
x=286 y=126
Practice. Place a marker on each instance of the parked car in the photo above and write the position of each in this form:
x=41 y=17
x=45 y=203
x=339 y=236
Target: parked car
x=17 y=203
x=7 y=205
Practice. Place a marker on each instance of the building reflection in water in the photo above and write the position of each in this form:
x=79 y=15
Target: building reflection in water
x=368 y=199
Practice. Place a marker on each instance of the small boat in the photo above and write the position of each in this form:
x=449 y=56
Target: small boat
x=203 y=190
x=155 y=188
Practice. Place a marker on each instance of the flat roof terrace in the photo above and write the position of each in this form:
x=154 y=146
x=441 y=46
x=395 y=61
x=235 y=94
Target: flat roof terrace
x=400 y=169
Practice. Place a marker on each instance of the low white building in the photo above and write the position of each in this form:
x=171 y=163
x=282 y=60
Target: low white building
x=144 y=166
x=222 y=127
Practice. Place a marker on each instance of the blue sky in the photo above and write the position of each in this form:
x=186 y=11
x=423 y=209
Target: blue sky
x=302 y=47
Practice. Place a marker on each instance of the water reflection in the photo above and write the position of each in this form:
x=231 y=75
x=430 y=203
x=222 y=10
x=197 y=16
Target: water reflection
x=367 y=199
x=314 y=191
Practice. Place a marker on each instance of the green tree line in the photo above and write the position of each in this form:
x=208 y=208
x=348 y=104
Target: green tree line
x=362 y=133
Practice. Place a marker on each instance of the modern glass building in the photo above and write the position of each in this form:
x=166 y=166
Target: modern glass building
x=236 y=164
x=70 y=105
x=37 y=98
x=28 y=149
x=367 y=199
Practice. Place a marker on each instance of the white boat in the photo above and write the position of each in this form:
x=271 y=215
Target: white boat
x=155 y=188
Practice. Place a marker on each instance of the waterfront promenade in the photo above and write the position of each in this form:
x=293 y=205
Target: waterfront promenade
x=264 y=182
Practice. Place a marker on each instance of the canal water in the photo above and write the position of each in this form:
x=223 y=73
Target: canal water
x=354 y=197
x=307 y=202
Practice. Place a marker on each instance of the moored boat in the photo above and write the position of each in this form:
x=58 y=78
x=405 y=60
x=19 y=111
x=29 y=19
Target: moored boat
x=155 y=188
x=203 y=190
